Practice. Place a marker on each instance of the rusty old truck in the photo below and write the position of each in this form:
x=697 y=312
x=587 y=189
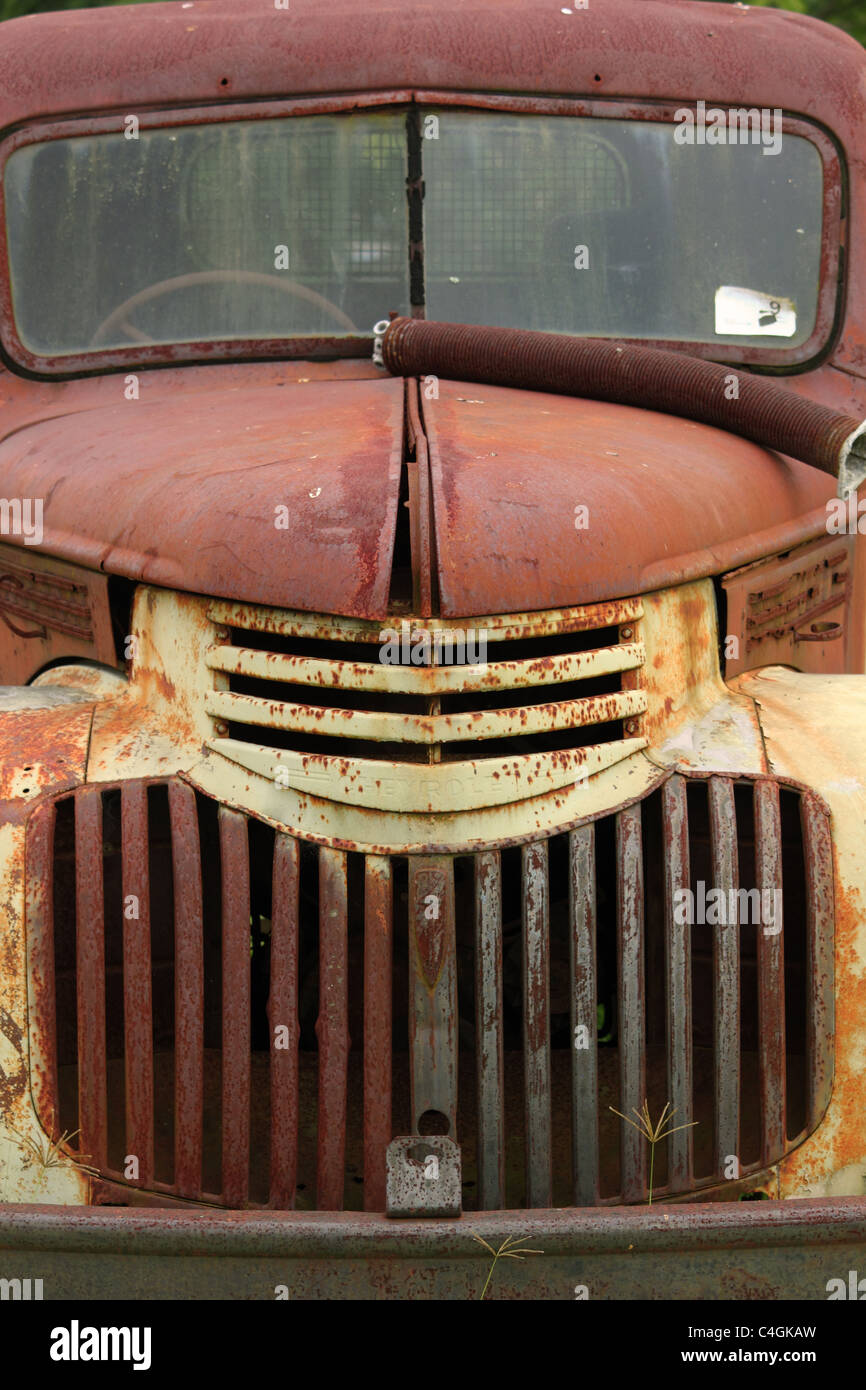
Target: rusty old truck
x=433 y=650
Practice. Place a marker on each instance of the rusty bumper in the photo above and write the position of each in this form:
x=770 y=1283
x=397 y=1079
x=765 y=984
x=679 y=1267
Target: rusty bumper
x=762 y=1250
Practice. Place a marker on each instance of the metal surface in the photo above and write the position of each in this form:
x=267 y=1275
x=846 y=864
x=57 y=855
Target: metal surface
x=328 y=452
x=488 y=1024
x=815 y=729
x=630 y=997
x=777 y=605
x=63 y=609
x=90 y=975
x=670 y=499
x=378 y=951
x=283 y=1024
x=40 y=938
x=584 y=1015
x=235 y=1048
x=429 y=680
x=499 y=627
x=771 y=967
x=678 y=971
x=754 y=1250
x=394 y=777
x=332 y=1029
x=423 y=1177
x=536 y=1023
x=420 y=520
x=819 y=891
x=626 y=374
x=427 y=787
x=726 y=971
x=137 y=987
x=189 y=991
x=433 y=1015
x=466 y=950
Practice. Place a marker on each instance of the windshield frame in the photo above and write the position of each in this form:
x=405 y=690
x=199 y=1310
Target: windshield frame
x=831 y=288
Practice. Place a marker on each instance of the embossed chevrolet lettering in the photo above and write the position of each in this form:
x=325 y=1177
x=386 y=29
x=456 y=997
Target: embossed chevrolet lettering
x=447 y=591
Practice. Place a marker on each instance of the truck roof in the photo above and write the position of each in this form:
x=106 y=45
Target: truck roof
x=204 y=50
x=192 y=52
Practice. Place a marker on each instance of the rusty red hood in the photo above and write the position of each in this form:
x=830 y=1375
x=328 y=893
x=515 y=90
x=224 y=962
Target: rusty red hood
x=280 y=494
x=287 y=494
x=545 y=500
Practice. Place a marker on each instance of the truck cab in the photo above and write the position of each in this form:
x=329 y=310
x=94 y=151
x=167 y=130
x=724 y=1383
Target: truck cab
x=432 y=766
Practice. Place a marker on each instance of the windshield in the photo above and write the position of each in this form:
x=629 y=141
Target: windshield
x=301 y=227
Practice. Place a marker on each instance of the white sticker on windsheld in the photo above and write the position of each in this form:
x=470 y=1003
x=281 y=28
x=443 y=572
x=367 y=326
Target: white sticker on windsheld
x=749 y=313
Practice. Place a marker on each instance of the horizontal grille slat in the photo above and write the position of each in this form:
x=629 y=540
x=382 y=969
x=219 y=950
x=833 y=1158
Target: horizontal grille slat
x=521 y=720
x=550 y=684
x=426 y=680
x=278 y=1011
x=385 y=786
x=500 y=627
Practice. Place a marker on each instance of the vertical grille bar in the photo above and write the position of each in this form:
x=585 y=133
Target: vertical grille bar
x=90 y=969
x=820 y=1018
x=584 y=1015
x=283 y=1014
x=632 y=1026
x=726 y=975
x=40 y=946
x=488 y=1027
x=188 y=990
x=771 y=969
x=137 y=989
x=678 y=992
x=536 y=1024
x=332 y=1028
x=235 y=870
x=433 y=1013
x=378 y=946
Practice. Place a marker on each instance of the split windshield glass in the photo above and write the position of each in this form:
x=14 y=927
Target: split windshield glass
x=300 y=227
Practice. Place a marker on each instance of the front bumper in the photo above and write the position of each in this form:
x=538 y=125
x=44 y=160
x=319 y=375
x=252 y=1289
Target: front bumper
x=716 y=1251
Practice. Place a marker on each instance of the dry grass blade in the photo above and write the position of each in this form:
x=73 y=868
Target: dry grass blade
x=652 y=1133
x=483 y=1242
x=48 y=1153
x=504 y=1252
